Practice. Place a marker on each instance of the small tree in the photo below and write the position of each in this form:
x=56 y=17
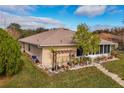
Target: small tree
x=14 y=26
x=86 y=40
x=10 y=55
x=95 y=41
x=14 y=30
x=82 y=37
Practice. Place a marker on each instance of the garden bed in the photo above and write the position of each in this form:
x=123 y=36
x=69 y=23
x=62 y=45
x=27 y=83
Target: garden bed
x=67 y=66
x=31 y=76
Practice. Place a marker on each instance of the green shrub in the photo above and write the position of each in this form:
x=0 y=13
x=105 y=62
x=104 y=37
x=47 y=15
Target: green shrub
x=10 y=54
x=87 y=60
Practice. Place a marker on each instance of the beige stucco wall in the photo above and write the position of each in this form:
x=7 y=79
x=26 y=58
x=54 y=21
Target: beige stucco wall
x=47 y=55
x=34 y=50
x=44 y=54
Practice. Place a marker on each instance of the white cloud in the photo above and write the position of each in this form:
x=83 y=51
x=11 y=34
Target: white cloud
x=90 y=11
x=18 y=9
x=28 y=21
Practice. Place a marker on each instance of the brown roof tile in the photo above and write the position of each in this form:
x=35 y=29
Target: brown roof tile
x=58 y=37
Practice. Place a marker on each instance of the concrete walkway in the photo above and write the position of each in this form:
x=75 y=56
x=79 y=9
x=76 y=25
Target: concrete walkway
x=115 y=77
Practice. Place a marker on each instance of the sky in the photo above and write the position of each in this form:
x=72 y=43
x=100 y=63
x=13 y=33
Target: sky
x=32 y=17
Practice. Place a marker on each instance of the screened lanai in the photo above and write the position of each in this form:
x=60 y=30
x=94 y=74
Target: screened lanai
x=105 y=47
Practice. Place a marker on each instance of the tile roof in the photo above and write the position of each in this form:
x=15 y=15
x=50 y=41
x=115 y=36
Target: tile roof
x=109 y=37
x=58 y=37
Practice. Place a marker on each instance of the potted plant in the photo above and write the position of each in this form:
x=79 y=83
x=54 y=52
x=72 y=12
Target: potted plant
x=81 y=61
x=84 y=60
x=76 y=61
x=88 y=60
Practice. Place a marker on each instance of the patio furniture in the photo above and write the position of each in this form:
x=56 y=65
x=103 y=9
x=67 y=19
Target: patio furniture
x=35 y=59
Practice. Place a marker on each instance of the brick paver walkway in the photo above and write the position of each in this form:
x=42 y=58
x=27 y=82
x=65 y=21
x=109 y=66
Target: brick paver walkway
x=114 y=76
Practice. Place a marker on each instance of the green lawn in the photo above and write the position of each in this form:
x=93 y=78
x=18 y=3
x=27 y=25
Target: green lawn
x=116 y=66
x=31 y=76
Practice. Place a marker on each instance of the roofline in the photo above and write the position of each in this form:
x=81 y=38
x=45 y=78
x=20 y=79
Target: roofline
x=63 y=44
x=29 y=43
x=49 y=45
x=107 y=43
x=57 y=45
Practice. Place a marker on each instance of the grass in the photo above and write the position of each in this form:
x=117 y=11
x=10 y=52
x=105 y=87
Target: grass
x=33 y=77
x=117 y=66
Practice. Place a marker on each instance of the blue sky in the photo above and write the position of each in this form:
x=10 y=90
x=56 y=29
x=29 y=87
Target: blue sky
x=96 y=17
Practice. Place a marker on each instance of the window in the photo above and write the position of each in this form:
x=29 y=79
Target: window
x=29 y=47
x=106 y=48
x=79 y=52
x=23 y=45
x=101 y=49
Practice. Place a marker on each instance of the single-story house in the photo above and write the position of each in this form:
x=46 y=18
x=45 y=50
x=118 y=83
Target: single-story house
x=61 y=40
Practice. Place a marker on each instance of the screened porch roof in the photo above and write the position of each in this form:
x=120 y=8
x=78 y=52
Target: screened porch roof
x=105 y=42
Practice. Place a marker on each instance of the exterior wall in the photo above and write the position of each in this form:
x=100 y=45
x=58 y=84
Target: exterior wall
x=34 y=50
x=47 y=55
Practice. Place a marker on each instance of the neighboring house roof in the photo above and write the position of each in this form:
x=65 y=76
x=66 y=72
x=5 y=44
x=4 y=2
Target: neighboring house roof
x=110 y=37
x=58 y=37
